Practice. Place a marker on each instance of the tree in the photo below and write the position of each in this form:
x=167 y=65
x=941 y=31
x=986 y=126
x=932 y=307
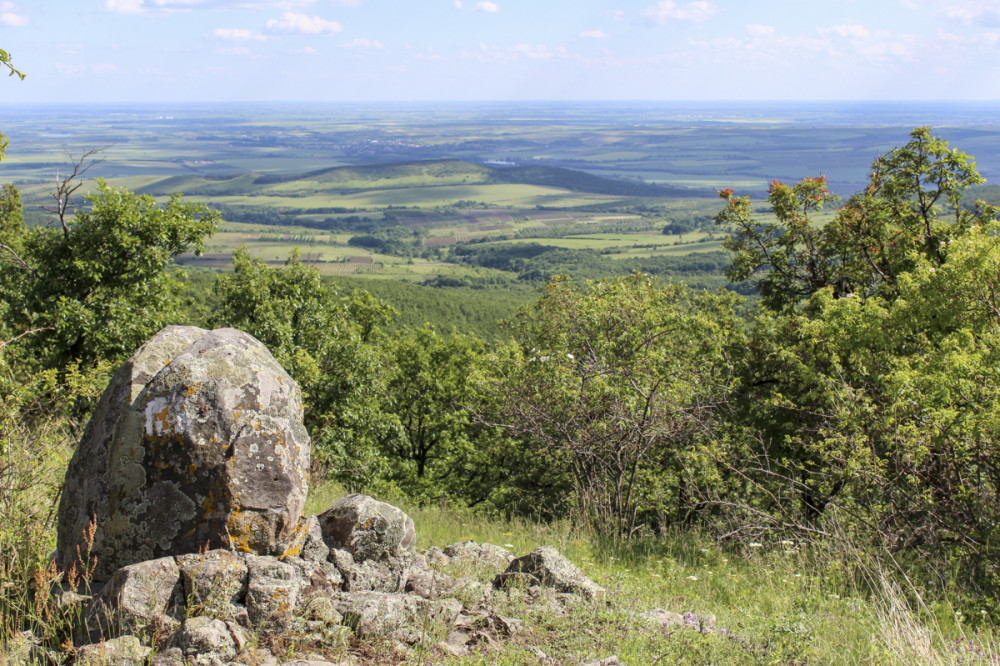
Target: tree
x=617 y=381
x=909 y=210
x=870 y=377
x=102 y=284
x=5 y=63
x=428 y=391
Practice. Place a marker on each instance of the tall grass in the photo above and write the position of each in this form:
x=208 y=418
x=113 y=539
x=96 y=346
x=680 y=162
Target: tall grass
x=776 y=602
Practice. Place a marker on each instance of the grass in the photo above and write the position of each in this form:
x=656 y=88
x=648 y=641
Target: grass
x=776 y=603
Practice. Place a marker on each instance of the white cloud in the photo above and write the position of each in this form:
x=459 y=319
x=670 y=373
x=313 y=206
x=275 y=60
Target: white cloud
x=516 y=52
x=104 y=68
x=593 y=34
x=852 y=30
x=238 y=35
x=490 y=7
x=303 y=25
x=665 y=10
x=458 y=4
x=13 y=20
x=616 y=15
x=361 y=43
x=124 y=6
x=758 y=30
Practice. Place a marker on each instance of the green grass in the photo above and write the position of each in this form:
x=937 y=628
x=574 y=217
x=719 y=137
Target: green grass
x=779 y=603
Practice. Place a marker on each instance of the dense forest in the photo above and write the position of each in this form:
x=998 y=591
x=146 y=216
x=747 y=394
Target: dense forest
x=855 y=396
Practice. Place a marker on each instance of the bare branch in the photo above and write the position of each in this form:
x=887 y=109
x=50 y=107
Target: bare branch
x=66 y=187
x=17 y=259
x=4 y=343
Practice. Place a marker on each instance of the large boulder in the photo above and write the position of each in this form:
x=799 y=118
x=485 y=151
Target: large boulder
x=197 y=443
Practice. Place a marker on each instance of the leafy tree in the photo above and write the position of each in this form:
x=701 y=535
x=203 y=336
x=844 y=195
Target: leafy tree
x=616 y=381
x=5 y=63
x=869 y=380
x=428 y=390
x=909 y=210
x=102 y=284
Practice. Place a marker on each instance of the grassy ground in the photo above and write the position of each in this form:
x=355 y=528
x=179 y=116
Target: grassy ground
x=775 y=602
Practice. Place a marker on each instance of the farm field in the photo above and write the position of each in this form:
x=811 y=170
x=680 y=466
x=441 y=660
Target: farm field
x=395 y=191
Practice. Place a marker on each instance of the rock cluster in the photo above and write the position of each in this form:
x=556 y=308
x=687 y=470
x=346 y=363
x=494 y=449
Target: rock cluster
x=203 y=608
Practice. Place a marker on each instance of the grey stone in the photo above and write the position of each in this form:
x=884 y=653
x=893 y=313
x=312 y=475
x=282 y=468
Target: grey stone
x=198 y=440
x=488 y=558
x=548 y=567
x=272 y=592
x=662 y=617
x=169 y=657
x=436 y=557
x=369 y=530
x=313 y=547
x=369 y=575
x=203 y=635
x=214 y=582
x=143 y=597
x=403 y=617
x=316 y=576
x=123 y=651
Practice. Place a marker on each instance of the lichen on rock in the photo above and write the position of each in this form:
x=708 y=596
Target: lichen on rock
x=197 y=442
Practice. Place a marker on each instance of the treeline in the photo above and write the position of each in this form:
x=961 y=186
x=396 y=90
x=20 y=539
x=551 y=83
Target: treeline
x=859 y=396
x=536 y=263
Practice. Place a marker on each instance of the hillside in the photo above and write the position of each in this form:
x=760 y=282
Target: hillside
x=419 y=174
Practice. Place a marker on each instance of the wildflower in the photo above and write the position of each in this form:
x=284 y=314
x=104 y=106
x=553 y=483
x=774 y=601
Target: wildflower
x=754 y=544
x=834 y=596
x=787 y=543
x=694 y=578
x=508 y=545
x=570 y=356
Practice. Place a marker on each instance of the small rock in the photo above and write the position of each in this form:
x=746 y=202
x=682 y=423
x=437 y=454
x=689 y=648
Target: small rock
x=607 y=661
x=369 y=530
x=272 y=592
x=548 y=567
x=214 y=581
x=123 y=651
x=203 y=635
x=313 y=547
x=487 y=557
x=169 y=657
x=142 y=597
x=403 y=617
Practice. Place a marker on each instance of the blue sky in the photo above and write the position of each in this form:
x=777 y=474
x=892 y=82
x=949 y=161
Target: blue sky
x=336 y=50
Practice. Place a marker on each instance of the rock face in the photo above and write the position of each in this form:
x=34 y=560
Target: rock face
x=197 y=442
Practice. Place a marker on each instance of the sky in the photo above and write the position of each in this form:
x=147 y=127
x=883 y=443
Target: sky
x=373 y=50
